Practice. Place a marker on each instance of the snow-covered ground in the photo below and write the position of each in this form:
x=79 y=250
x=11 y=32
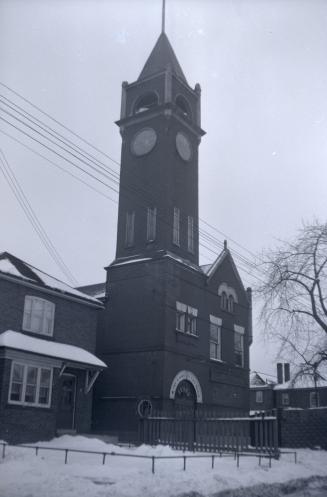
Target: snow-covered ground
x=23 y=474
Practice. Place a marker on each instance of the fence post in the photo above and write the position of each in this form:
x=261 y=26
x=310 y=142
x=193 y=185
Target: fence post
x=3 y=450
x=212 y=461
x=153 y=464
x=104 y=458
x=66 y=455
x=184 y=457
x=275 y=430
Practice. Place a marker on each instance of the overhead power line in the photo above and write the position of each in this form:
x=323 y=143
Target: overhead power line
x=100 y=168
x=20 y=196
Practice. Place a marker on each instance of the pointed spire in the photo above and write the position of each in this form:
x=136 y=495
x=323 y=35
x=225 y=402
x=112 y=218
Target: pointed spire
x=163 y=16
x=161 y=58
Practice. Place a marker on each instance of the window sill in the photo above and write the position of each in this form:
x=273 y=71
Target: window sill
x=37 y=334
x=217 y=360
x=184 y=333
x=12 y=403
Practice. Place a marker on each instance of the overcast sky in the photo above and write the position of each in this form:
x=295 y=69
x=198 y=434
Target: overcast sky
x=262 y=68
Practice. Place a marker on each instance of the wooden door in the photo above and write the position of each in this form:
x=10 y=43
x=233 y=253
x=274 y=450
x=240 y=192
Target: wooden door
x=66 y=413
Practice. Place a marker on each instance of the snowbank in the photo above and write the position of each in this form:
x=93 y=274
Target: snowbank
x=24 y=474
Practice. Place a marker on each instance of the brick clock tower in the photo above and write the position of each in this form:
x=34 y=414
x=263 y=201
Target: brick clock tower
x=174 y=334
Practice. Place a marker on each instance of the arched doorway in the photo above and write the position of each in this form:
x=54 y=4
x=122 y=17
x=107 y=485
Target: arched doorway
x=185 y=399
x=186 y=393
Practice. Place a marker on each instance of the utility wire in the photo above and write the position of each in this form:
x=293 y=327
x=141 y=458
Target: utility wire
x=20 y=196
x=113 y=175
x=75 y=156
x=91 y=145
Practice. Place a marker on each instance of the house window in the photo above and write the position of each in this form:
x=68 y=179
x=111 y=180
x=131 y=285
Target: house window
x=215 y=338
x=176 y=226
x=239 y=345
x=223 y=301
x=230 y=303
x=314 y=399
x=151 y=224
x=191 y=320
x=186 y=318
x=181 y=311
x=285 y=399
x=130 y=224
x=190 y=234
x=259 y=396
x=30 y=385
x=38 y=315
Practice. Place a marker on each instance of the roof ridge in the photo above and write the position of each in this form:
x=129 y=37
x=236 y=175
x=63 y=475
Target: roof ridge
x=161 y=57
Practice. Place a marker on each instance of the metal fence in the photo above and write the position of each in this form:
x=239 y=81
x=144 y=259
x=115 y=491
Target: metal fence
x=211 y=434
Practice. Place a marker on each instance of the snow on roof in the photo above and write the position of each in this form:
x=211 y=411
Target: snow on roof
x=96 y=290
x=19 y=341
x=130 y=261
x=7 y=267
x=186 y=262
x=206 y=268
x=304 y=381
x=14 y=266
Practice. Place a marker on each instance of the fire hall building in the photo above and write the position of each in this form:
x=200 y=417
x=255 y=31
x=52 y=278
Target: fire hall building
x=174 y=334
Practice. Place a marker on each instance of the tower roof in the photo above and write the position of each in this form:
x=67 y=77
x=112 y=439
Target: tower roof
x=161 y=57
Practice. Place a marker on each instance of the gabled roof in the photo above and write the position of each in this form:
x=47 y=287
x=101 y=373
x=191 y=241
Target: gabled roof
x=13 y=266
x=162 y=57
x=256 y=381
x=225 y=254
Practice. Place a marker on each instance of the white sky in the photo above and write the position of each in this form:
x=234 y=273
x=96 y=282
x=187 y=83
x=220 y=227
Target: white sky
x=262 y=68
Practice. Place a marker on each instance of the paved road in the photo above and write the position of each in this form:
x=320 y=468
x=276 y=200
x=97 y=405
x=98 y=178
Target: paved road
x=315 y=486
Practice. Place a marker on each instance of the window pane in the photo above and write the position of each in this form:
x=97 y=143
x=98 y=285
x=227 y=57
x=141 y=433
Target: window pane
x=18 y=373
x=151 y=224
x=44 y=395
x=190 y=234
x=45 y=377
x=44 y=392
x=31 y=379
x=214 y=332
x=213 y=350
x=176 y=226
x=130 y=222
x=180 y=321
x=16 y=392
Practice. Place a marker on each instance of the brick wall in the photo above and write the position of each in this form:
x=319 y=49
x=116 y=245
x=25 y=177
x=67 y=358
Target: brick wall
x=74 y=323
x=23 y=424
x=303 y=428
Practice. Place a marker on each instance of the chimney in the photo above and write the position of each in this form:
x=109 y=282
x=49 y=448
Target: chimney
x=287 y=374
x=279 y=372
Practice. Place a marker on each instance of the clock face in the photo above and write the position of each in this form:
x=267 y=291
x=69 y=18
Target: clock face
x=144 y=141
x=183 y=146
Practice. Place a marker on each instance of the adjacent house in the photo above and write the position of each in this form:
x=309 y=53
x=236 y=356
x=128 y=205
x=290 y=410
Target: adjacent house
x=47 y=361
x=291 y=391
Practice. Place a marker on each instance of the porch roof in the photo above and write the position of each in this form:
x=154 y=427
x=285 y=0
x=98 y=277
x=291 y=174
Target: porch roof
x=20 y=341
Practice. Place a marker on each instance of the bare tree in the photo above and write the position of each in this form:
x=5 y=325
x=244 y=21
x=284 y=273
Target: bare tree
x=294 y=294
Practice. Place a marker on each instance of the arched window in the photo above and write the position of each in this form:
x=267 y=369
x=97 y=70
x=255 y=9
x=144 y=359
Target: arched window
x=183 y=106
x=146 y=102
x=223 y=301
x=231 y=303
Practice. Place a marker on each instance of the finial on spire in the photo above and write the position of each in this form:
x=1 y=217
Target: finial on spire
x=163 y=16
